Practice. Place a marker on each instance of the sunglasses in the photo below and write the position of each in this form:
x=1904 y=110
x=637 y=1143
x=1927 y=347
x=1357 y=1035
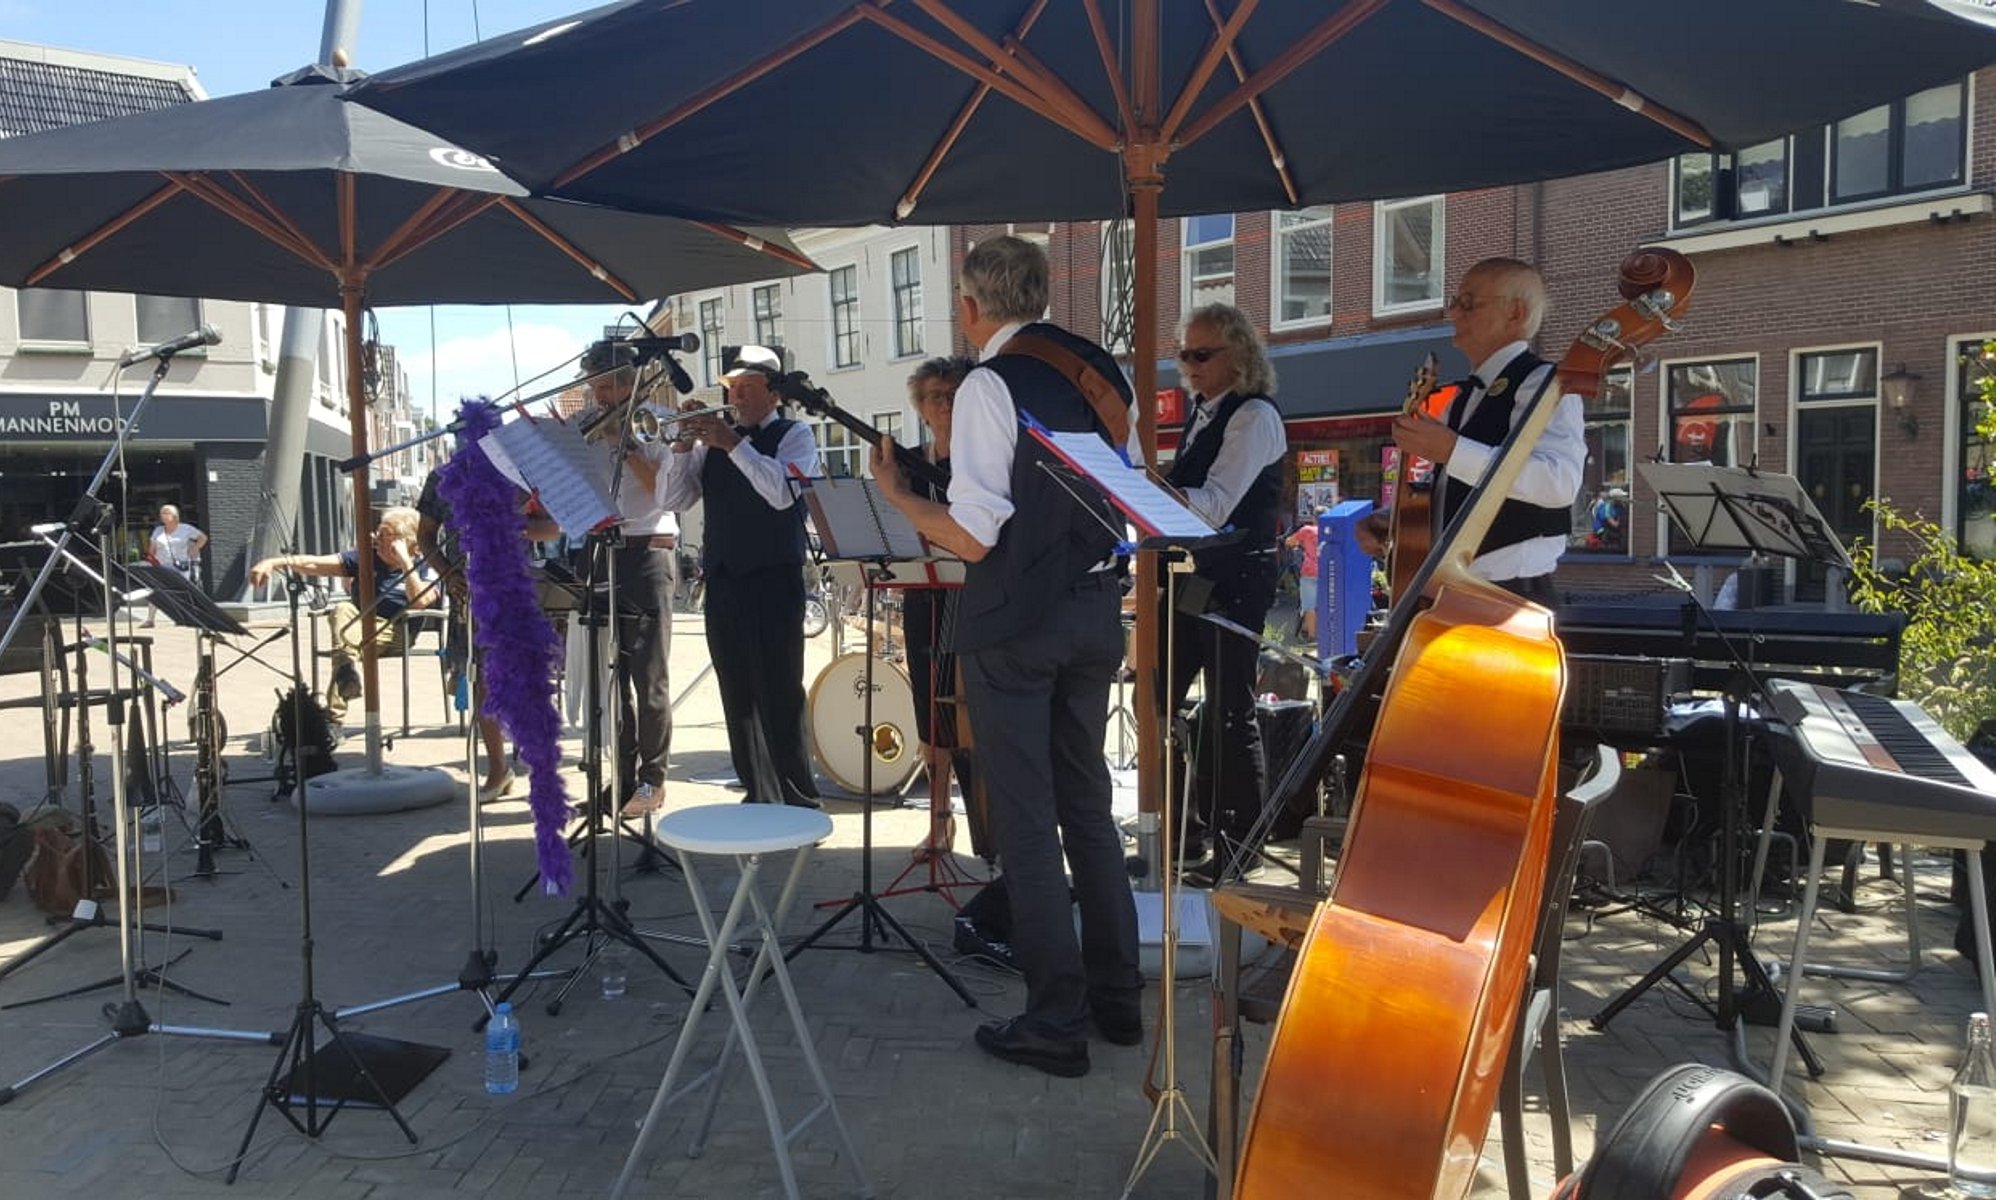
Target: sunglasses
x=1202 y=355
x=1464 y=303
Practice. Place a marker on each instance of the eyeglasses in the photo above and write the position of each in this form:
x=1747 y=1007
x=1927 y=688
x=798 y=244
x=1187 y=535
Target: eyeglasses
x=1464 y=303
x=1202 y=354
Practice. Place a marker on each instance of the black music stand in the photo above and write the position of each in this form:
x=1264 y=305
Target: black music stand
x=894 y=541
x=1728 y=508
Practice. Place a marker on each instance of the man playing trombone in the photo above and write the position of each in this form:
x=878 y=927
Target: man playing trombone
x=753 y=555
x=645 y=573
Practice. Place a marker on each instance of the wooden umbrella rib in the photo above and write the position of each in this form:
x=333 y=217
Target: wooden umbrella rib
x=439 y=215
x=595 y=268
x=1279 y=162
x=1084 y=124
x=273 y=212
x=1219 y=47
x=1035 y=77
x=908 y=202
x=235 y=208
x=1325 y=34
x=761 y=245
x=1120 y=96
x=1574 y=71
x=719 y=90
x=97 y=236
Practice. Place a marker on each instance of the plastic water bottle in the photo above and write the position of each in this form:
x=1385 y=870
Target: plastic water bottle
x=1972 y=1116
x=503 y=1051
x=150 y=838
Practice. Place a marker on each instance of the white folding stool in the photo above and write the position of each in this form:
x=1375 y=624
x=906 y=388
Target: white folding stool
x=745 y=832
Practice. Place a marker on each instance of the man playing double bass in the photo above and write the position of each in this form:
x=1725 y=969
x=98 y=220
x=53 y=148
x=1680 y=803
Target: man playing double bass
x=1498 y=310
x=1038 y=640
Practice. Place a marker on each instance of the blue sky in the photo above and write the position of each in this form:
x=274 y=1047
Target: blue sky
x=240 y=45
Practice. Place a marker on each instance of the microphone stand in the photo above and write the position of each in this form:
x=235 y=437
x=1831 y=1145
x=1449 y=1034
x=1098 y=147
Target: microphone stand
x=129 y=1018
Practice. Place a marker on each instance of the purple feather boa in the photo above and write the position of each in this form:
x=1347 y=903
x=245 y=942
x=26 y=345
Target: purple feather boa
x=518 y=647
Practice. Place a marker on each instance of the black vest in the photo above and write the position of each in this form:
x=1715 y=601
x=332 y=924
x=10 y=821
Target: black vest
x=1053 y=539
x=1256 y=513
x=1489 y=423
x=741 y=532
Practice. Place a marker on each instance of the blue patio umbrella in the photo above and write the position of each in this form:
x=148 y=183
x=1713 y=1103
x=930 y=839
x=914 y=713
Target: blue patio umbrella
x=291 y=196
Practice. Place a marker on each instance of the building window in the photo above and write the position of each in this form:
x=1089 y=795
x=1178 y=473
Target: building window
x=890 y=424
x=1208 y=261
x=1837 y=375
x=846 y=299
x=1600 y=521
x=1114 y=285
x=162 y=318
x=1301 y=267
x=1712 y=416
x=1910 y=145
x=54 y=315
x=711 y=339
x=1975 y=453
x=1750 y=183
x=841 y=452
x=767 y=311
x=906 y=300
x=1409 y=254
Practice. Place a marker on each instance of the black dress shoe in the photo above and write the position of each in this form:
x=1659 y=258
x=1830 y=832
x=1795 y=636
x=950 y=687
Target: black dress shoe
x=1012 y=1041
x=1119 y=1018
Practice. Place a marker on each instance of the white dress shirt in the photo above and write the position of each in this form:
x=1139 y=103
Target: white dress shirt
x=1550 y=478
x=985 y=427
x=1253 y=440
x=638 y=504
x=680 y=480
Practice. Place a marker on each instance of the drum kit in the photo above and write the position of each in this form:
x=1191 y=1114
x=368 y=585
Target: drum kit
x=838 y=706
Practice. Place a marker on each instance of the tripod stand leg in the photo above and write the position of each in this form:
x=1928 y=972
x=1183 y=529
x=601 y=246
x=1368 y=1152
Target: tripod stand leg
x=22 y=1084
x=289 y=1053
x=1661 y=970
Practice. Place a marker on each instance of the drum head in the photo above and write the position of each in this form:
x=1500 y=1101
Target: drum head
x=837 y=707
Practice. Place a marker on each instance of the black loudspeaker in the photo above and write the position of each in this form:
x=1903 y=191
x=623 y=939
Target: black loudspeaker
x=1281 y=677
x=1286 y=726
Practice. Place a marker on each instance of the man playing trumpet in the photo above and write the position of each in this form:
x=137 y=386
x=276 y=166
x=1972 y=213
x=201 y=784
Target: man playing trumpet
x=753 y=554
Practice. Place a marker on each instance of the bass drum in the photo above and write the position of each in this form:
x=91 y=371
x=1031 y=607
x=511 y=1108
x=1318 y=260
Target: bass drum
x=836 y=708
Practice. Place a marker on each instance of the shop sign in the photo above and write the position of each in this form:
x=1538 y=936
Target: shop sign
x=65 y=417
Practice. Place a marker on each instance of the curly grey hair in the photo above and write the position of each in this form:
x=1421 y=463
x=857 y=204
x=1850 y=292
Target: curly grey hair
x=1254 y=373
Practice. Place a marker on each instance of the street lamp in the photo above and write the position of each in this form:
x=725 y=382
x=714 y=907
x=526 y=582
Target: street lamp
x=1897 y=387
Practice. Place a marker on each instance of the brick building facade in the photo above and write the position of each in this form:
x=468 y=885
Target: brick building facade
x=1841 y=272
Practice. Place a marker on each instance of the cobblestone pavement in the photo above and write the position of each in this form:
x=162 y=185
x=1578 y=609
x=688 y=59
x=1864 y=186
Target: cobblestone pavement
x=162 y=1115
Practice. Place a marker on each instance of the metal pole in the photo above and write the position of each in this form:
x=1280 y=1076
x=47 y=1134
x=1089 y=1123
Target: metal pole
x=298 y=352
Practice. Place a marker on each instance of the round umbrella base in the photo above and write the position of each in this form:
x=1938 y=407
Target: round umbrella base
x=355 y=791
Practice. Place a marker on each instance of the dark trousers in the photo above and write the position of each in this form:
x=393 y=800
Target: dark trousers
x=1229 y=773
x=1038 y=705
x=645 y=635
x=757 y=640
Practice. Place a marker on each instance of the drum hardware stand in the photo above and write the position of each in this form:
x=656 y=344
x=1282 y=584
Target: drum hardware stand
x=89 y=913
x=128 y=1018
x=598 y=921
x=875 y=919
x=1739 y=510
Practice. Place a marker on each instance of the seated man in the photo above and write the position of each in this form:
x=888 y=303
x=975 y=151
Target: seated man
x=401 y=582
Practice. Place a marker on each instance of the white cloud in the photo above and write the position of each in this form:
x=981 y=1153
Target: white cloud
x=484 y=364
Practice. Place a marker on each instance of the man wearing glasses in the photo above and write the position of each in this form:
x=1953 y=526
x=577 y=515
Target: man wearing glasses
x=1229 y=467
x=1497 y=312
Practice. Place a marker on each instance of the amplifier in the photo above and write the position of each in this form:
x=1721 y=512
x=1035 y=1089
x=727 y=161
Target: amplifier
x=1618 y=693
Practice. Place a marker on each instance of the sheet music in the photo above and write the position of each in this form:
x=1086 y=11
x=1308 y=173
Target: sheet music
x=551 y=459
x=1148 y=505
x=855 y=522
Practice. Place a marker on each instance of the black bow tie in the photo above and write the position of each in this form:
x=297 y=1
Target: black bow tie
x=1472 y=382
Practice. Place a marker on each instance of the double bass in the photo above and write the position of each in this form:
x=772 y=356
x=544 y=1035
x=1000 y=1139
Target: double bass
x=1387 y=1056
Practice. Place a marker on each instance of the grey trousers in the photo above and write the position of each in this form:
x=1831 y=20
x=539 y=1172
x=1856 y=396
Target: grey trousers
x=1038 y=705
x=645 y=634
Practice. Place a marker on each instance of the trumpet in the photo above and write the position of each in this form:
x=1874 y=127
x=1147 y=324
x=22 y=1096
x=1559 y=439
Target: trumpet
x=649 y=424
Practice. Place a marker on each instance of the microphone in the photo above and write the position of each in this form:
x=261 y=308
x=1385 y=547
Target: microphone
x=678 y=375
x=205 y=336
x=680 y=343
